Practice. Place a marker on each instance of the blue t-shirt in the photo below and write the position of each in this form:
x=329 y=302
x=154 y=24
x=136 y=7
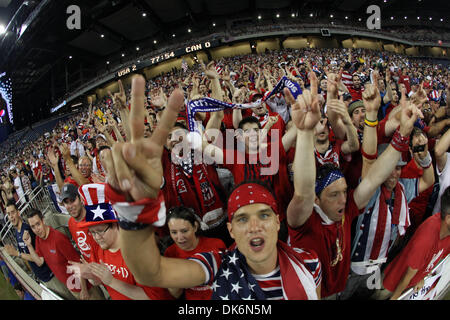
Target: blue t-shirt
x=43 y=272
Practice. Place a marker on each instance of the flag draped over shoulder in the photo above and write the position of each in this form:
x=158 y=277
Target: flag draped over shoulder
x=234 y=280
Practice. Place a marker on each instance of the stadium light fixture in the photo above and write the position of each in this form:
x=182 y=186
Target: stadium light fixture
x=310 y=14
x=406 y=17
x=123 y=54
x=259 y=17
x=331 y=16
x=418 y=18
x=2 y=29
x=102 y=36
x=346 y=17
x=189 y=30
x=154 y=41
x=70 y=57
x=214 y=24
x=144 y=14
x=107 y=62
x=392 y=18
x=278 y=15
x=293 y=15
x=173 y=35
x=431 y=18
x=442 y=19
x=137 y=48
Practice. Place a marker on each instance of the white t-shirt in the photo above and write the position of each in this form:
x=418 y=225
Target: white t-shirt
x=444 y=182
x=74 y=145
x=19 y=190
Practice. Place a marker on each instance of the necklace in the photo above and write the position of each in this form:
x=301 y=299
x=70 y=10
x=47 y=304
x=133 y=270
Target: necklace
x=339 y=239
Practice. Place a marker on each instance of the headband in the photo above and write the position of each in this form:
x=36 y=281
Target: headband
x=331 y=177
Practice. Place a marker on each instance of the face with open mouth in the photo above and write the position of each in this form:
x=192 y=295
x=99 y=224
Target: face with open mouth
x=321 y=131
x=254 y=228
x=333 y=199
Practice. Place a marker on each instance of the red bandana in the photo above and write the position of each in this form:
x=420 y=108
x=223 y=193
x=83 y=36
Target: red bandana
x=250 y=193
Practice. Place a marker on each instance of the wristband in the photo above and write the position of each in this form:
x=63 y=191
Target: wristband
x=400 y=143
x=137 y=215
x=370 y=123
x=368 y=156
x=425 y=162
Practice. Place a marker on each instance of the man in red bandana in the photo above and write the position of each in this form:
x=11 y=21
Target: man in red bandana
x=252 y=222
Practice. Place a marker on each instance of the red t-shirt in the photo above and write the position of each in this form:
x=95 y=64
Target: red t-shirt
x=355 y=93
x=320 y=237
x=423 y=252
x=82 y=238
x=204 y=245
x=57 y=251
x=252 y=168
x=70 y=180
x=116 y=264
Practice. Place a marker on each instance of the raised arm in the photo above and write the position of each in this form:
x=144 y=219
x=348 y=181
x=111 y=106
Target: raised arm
x=134 y=169
x=388 y=160
x=54 y=159
x=440 y=151
x=339 y=108
x=305 y=115
x=76 y=174
x=371 y=100
x=332 y=114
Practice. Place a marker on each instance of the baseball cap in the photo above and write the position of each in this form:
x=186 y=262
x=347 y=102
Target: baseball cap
x=69 y=191
x=353 y=105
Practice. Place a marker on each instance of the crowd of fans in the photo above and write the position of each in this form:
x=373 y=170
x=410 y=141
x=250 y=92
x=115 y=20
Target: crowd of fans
x=361 y=181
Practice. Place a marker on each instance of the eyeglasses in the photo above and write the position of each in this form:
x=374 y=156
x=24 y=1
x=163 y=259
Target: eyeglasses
x=99 y=233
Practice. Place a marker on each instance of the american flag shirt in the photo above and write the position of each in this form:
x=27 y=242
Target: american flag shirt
x=230 y=279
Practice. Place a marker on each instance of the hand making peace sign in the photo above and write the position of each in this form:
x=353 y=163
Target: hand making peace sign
x=135 y=167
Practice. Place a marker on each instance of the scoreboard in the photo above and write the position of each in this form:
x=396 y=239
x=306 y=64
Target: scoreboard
x=193 y=47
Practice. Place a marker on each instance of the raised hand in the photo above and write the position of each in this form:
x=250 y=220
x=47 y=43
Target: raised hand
x=339 y=107
x=135 y=167
x=65 y=151
x=52 y=156
x=119 y=98
x=371 y=98
x=408 y=116
x=210 y=71
x=305 y=111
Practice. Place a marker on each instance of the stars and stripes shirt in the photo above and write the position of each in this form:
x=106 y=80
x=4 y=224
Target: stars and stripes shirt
x=363 y=244
x=270 y=284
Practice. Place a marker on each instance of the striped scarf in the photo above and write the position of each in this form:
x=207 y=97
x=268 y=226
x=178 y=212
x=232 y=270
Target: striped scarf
x=399 y=217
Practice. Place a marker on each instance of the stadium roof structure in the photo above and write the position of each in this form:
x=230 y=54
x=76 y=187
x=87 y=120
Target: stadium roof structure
x=46 y=60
